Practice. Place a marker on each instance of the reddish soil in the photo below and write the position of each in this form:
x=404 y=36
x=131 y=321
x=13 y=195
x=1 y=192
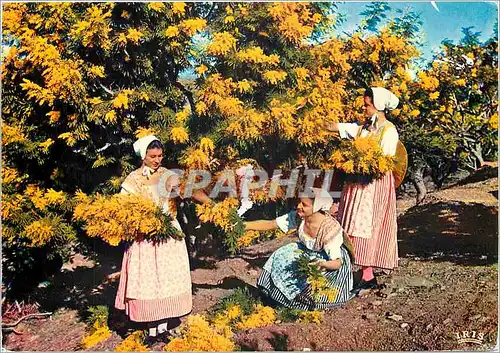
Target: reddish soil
x=446 y=283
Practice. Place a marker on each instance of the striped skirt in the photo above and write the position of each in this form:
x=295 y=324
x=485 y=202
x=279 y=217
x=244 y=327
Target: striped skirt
x=368 y=215
x=155 y=281
x=277 y=279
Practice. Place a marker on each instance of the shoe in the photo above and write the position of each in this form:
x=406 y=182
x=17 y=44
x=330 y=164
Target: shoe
x=174 y=332
x=149 y=341
x=163 y=337
x=364 y=285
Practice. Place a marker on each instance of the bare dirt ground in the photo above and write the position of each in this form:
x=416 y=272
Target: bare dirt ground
x=446 y=283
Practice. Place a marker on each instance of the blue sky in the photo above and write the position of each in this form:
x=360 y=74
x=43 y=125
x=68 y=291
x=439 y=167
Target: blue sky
x=437 y=25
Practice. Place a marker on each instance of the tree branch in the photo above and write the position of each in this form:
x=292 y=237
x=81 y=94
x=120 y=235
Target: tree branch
x=188 y=94
x=107 y=89
x=24 y=318
x=210 y=11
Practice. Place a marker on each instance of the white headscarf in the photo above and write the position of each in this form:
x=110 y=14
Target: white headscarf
x=141 y=148
x=384 y=99
x=322 y=200
x=141 y=145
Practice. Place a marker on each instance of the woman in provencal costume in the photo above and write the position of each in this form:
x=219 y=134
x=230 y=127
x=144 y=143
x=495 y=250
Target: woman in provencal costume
x=367 y=212
x=155 y=279
x=321 y=237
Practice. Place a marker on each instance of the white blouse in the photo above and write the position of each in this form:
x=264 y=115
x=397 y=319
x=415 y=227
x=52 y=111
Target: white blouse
x=389 y=139
x=287 y=222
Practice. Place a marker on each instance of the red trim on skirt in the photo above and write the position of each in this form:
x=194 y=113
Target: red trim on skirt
x=156 y=309
x=381 y=250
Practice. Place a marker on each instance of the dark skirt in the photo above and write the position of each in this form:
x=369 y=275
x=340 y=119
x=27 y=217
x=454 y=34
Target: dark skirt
x=279 y=281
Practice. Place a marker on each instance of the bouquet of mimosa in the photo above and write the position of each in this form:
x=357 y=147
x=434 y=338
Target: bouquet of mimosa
x=124 y=217
x=362 y=159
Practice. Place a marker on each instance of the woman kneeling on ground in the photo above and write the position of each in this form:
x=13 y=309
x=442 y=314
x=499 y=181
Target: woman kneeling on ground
x=322 y=239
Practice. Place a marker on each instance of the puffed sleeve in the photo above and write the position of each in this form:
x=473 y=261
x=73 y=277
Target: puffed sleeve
x=332 y=248
x=389 y=141
x=348 y=130
x=287 y=221
x=129 y=184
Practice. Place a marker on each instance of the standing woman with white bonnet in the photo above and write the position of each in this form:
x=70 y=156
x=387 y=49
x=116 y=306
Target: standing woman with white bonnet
x=155 y=279
x=322 y=239
x=367 y=212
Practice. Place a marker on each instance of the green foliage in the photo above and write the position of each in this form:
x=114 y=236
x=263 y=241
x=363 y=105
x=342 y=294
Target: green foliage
x=374 y=15
x=168 y=230
x=242 y=297
x=307 y=269
x=470 y=38
x=238 y=229
x=285 y=314
x=99 y=314
x=407 y=24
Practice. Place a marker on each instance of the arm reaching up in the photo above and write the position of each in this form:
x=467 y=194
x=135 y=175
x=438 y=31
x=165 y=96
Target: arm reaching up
x=261 y=225
x=346 y=130
x=201 y=196
x=285 y=223
x=333 y=127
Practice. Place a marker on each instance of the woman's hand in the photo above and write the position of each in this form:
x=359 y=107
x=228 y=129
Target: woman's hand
x=172 y=182
x=331 y=126
x=317 y=263
x=200 y=196
x=328 y=265
x=334 y=209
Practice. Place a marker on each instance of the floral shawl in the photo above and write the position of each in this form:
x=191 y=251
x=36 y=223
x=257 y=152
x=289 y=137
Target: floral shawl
x=134 y=184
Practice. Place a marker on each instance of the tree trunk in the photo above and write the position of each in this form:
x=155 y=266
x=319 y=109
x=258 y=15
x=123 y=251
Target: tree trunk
x=417 y=179
x=478 y=153
x=441 y=173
